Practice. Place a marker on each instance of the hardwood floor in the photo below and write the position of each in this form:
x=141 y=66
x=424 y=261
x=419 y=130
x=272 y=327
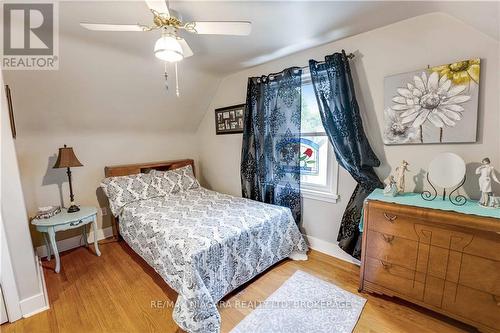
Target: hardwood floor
x=118 y=292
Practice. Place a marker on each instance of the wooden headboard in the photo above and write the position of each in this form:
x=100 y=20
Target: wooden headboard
x=131 y=169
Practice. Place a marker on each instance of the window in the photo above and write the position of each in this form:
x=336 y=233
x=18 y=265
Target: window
x=317 y=161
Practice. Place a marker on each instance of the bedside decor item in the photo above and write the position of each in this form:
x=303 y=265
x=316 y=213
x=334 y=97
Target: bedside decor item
x=434 y=105
x=47 y=212
x=67 y=159
x=446 y=170
x=11 y=111
x=391 y=189
x=435 y=254
x=487 y=173
x=400 y=176
x=229 y=120
x=64 y=221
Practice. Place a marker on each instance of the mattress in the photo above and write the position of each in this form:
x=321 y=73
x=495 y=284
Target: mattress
x=205 y=244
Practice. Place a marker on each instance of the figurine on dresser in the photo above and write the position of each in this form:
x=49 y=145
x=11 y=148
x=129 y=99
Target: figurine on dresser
x=400 y=176
x=486 y=173
x=391 y=188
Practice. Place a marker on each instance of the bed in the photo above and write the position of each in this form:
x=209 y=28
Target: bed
x=205 y=244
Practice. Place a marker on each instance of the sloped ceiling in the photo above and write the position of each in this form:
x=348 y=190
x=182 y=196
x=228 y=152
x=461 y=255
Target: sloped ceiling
x=112 y=81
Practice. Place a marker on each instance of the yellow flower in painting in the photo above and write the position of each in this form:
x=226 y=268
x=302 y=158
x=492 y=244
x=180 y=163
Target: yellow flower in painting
x=460 y=72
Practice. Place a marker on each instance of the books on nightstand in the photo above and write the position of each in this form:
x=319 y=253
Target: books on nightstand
x=47 y=212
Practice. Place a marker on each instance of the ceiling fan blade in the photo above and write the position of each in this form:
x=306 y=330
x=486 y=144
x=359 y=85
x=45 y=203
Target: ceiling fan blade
x=186 y=50
x=236 y=28
x=114 y=27
x=159 y=6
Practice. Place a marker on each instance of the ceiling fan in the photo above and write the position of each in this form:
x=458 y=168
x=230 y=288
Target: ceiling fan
x=170 y=47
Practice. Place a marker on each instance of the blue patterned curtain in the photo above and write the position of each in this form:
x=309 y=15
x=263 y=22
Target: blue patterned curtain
x=339 y=111
x=270 y=169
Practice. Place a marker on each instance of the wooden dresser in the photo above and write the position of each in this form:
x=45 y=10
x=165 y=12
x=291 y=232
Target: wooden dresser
x=443 y=260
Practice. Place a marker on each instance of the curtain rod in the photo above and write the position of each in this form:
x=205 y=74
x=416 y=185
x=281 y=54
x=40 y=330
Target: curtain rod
x=349 y=56
x=273 y=75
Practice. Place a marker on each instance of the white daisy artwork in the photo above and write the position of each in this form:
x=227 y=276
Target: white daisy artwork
x=434 y=105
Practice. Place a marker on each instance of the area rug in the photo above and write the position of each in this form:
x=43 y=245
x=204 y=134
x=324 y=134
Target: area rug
x=304 y=303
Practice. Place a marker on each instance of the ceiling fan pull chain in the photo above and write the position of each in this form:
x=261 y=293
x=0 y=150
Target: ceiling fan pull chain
x=177 y=92
x=165 y=74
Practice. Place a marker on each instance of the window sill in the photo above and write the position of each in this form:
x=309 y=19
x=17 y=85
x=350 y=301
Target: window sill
x=318 y=195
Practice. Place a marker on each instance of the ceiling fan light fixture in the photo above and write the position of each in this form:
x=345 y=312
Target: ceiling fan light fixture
x=168 y=48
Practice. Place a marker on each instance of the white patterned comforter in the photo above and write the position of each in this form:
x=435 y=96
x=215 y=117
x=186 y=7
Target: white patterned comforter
x=205 y=244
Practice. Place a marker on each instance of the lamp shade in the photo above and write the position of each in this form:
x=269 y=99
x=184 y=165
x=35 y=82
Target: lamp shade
x=168 y=48
x=67 y=158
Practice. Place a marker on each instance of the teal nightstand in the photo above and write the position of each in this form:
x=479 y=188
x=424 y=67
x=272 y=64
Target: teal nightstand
x=66 y=221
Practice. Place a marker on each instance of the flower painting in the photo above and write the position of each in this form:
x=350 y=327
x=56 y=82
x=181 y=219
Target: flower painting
x=434 y=105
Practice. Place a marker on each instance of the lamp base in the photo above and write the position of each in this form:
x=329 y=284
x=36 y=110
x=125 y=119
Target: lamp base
x=73 y=209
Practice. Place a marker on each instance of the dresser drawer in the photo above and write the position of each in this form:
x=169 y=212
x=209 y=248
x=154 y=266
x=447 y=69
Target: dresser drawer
x=392 y=249
x=389 y=222
x=472 y=304
x=480 y=273
x=74 y=224
x=395 y=278
x=485 y=245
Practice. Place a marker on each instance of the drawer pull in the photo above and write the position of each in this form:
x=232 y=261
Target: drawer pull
x=386 y=265
x=496 y=299
x=388 y=238
x=75 y=223
x=390 y=218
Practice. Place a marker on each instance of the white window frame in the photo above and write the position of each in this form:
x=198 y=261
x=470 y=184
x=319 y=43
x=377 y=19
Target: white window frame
x=328 y=192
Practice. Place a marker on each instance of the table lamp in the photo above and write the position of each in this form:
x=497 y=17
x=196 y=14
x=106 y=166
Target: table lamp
x=67 y=159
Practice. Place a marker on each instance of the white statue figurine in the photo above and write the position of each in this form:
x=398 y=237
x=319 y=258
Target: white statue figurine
x=486 y=172
x=400 y=176
x=390 y=189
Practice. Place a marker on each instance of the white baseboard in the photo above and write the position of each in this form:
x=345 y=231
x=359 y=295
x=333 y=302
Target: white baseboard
x=42 y=280
x=38 y=302
x=332 y=249
x=74 y=242
x=33 y=305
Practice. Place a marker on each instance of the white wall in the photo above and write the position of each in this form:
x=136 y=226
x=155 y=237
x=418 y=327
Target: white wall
x=14 y=218
x=408 y=45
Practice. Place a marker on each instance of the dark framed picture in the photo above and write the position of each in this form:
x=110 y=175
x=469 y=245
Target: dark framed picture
x=229 y=120
x=11 y=111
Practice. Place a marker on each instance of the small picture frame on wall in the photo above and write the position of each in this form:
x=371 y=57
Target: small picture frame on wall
x=229 y=120
x=11 y=111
